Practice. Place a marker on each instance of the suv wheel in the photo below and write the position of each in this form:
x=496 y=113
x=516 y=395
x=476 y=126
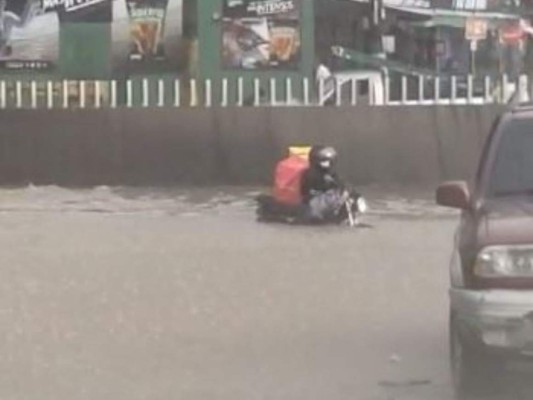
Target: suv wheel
x=474 y=372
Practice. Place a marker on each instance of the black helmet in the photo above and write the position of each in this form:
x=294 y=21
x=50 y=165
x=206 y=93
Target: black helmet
x=323 y=157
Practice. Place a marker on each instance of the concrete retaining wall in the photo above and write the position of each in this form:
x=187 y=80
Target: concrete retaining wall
x=237 y=146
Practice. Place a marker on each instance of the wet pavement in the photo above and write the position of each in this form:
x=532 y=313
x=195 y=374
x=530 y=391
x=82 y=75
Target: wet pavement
x=138 y=293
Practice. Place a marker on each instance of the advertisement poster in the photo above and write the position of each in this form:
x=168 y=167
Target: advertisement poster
x=146 y=34
x=29 y=36
x=29 y=29
x=261 y=34
x=80 y=10
x=147 y=23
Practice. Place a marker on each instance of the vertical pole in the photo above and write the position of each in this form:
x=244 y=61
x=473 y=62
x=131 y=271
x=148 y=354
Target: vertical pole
x=113 y=94
x=257 y=92
x=505 y=84
x=240 y=92
x=288 y=91
x=321 y=92
x=437 y=90
x=82 y=93
x=473 y=50
x=65 y=94
x=404 y=89
x=208 y=92
x=470 y=88
x=3 y=100
x=454 y=89
x=49 y=94
x=177 y=93
x=161 y=93
x=33 y=90
x=146 y=93
x=224 y=102
x=306 y=91
x=371 y=93
x=19 y=94
x=97 y=94
x=194 y=93
x=387 y=89
x=129 y=93
x=338 y=94
x=487 y=90
x=523 y=88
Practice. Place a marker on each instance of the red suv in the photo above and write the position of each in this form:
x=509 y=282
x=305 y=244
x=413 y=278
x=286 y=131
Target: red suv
x=491 y=295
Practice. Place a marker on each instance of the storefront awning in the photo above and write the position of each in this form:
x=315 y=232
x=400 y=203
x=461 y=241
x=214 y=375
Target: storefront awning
x=453 y=22
x=378 y=62
x=444 y=12
x=424 y=7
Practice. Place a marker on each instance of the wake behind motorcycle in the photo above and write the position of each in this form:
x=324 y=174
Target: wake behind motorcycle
x=348 y=212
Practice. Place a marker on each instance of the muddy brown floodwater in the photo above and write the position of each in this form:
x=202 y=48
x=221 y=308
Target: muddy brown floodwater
x=130 y=294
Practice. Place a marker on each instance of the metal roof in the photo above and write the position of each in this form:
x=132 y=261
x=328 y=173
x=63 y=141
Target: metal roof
x=424 y=7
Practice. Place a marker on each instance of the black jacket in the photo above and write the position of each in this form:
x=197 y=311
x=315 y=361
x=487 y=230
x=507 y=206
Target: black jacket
x=315 y=181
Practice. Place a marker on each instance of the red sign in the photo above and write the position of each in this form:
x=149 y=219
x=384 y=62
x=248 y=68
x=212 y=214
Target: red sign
x=511 y=33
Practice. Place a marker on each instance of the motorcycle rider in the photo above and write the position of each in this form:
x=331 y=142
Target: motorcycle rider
x=322 y=190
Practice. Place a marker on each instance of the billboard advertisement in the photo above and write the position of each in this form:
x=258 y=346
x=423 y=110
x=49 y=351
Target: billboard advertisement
x=29 y=29
x=29 y=36
x=261 y=34
x=79 y=10
x=146 y=34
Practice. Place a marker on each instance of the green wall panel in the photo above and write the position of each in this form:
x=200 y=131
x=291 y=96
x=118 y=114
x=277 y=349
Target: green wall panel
x=85 y=50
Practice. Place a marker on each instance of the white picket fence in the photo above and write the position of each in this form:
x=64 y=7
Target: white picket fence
x=346 y=91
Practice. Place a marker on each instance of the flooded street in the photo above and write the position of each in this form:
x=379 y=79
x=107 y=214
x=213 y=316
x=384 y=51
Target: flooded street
x=177 y=294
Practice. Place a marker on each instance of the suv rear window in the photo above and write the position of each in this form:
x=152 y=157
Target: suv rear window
x=512 y=173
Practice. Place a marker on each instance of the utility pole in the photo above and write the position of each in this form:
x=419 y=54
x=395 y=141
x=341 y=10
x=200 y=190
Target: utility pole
x=377 y=17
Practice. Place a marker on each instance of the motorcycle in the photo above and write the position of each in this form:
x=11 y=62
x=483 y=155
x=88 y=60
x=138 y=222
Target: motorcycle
x=351 y=206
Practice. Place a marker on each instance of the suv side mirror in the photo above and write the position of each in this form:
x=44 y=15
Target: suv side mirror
x=453 y=194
